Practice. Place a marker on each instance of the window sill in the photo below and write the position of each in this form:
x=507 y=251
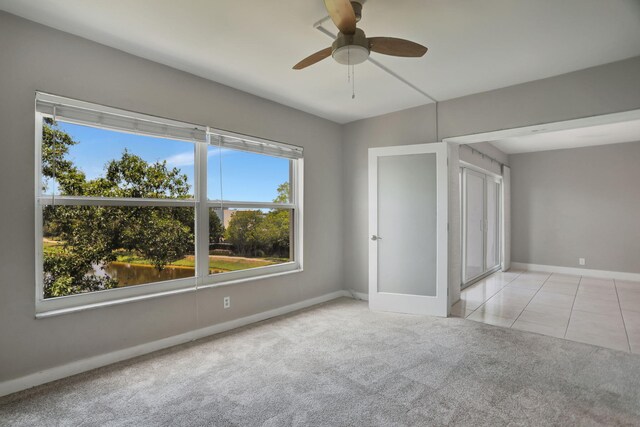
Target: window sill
x=250 y=279
x=44 y=313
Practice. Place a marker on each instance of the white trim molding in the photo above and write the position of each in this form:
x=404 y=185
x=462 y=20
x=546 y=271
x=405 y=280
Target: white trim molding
x=546 y=127
x=603 y=274
x=77 y=367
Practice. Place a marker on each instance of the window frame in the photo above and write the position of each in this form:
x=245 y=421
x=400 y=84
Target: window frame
x=46 y=307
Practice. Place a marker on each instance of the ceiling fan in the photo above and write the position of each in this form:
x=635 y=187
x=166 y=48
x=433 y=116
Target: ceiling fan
x=352 y=46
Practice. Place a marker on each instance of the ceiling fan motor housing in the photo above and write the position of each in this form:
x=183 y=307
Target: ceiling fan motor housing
x=351 y=49
x=357 y=10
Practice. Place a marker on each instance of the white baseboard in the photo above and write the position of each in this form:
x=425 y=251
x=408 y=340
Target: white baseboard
x=73 y=368
x=603 y=274
x=358 y=295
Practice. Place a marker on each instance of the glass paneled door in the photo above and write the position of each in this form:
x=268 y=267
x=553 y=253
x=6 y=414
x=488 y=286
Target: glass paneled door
x=408 y=229
x=473 y=202
x=480 y=205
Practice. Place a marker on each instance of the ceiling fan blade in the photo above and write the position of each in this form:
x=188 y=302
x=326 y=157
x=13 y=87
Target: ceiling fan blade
x=342 y=14
x=396 y=47
x=312 y=59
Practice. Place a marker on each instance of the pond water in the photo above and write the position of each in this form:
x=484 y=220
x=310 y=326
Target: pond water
x=136 y=274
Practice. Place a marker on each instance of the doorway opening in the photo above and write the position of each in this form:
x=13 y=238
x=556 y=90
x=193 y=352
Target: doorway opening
x=604 y=129
x=480 y=203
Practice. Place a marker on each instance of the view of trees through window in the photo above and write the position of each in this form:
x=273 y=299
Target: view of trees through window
x=251 y=238
x=101 y=246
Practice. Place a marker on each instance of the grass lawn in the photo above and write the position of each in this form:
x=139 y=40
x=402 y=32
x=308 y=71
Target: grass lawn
x=51 y=246
x=218 y=263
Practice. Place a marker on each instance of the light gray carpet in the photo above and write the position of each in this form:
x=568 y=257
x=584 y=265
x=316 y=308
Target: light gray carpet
x=340 y=364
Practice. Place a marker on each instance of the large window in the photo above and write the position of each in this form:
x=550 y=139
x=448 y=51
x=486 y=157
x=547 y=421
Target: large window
x=130 y=205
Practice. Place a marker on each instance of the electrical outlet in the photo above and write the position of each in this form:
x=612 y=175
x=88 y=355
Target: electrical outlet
x=227 y=302
x=581 y=261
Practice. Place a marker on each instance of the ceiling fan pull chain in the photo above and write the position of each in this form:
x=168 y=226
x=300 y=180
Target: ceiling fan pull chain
x=353 y=83
x=348 y=64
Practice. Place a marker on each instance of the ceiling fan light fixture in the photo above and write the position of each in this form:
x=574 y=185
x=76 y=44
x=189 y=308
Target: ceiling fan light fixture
x=351 y=49
x=351 y=45
x=350 y=54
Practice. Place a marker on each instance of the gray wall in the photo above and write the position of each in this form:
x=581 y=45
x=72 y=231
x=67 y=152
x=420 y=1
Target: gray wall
x=578 y=203
x=34 y=57
x=605 y=89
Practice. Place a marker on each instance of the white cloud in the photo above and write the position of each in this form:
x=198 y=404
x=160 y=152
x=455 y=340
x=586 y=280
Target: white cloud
x=188 y=157
x=181 y=159
x=215 y=151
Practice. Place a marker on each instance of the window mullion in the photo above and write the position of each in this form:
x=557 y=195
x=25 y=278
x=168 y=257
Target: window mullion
x=202 y=213
x=250 y=205
x=112 y=201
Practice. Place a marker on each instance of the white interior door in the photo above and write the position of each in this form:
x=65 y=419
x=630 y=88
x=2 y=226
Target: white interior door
x=408 y=229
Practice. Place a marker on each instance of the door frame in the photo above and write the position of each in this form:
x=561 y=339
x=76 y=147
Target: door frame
x=437 y=305
x=486 y=176
x=491 y=179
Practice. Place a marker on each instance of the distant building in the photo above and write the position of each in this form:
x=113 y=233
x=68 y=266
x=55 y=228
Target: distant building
x=225 y=214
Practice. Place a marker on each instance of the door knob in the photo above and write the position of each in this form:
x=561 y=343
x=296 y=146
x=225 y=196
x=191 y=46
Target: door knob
x=374 y=238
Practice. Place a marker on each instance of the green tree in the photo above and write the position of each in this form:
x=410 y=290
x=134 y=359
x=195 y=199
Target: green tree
x=244 y=232
x=255 y=233
x=275 y=228
x=284 y=192
x=55 y=165
x=278 y=223
x=66 y=269
x=90 y=236
x=131 y=176
x=216 y=229
x=163 y=238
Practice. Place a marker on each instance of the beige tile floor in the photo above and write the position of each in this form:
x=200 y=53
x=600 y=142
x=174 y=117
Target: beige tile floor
x=603 y=312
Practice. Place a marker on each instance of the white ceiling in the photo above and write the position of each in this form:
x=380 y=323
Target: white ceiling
x=613 y=133
x=474 y=46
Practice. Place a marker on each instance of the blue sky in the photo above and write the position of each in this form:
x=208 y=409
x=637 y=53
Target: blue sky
x=245 y=176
